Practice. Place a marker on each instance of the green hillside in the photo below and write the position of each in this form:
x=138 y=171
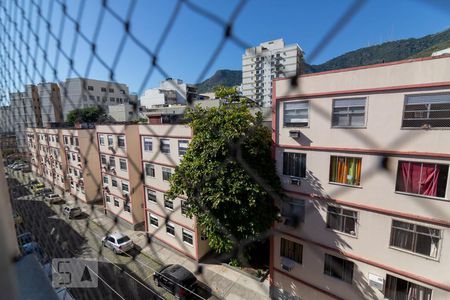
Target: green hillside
x=386 y=52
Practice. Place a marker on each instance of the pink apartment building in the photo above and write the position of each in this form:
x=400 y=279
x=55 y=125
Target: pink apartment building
x=363 y=155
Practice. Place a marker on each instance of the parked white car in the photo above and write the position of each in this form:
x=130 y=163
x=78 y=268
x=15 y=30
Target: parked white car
x=118 y=242
x=72 y=211
x=53 y=198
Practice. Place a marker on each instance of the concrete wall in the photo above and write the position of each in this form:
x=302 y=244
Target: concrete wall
x=380 y=143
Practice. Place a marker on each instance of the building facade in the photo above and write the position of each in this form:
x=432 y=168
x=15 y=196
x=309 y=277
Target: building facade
x=170 y=92
x=83 y=92
x=263 y=63
x=67 y=159
x=363 y=156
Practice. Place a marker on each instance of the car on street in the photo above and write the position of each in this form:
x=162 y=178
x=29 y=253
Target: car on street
x=18 y=167
x=176 y=279
x=43 y=192
x=36 y=187
x=118 y=242
x=33 y=182
x=17 y=218
x=71 y=211
x=53 y=198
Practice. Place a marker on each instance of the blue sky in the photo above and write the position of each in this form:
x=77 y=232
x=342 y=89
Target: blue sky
x=194 y=37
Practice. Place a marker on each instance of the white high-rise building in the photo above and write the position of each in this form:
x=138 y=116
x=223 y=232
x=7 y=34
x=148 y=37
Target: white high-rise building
x=263 y=63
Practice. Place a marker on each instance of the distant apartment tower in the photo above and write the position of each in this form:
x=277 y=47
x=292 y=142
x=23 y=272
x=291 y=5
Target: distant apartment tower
x=363 y=157
x=37 y=106
x=263 y=63
x=83 y=92
x=170 y=91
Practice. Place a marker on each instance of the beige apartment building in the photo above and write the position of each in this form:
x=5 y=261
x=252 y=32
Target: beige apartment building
x=67 y=159
x=120 y=162
x=363 y=155
x=162 y=147
x=136 y=164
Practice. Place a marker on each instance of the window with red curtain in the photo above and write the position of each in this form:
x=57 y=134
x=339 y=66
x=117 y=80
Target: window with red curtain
x=422 y=178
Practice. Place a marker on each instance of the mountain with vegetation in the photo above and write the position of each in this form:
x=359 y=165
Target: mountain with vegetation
x=386 y=52
x=221 y=77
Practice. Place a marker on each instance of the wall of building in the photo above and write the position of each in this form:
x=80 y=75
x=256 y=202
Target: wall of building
x=375 y=200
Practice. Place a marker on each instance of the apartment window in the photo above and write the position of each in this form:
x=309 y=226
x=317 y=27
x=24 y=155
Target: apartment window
x=101 y=139
x=184 y=207
x=125 y=187
x=345 y=170
x=110 y=140
x=293 y=212
x=343 y=220
x=422 y=178
x=127 y=207
x=103 y=89
x=105 y=180
x=415 y=238
x=426 y=111
x=294 y=164
x=74 y=158
x=111 y=90
x=338 y=268
x=79 y=158
x=165 y=146
x=150 y=170
x=66 y=141
x=148 y=144
x=114 y=182
x=103 y=159
x=170 y=229
x=296 y=114
x=121 y=141
x=112 y=162
x=116 y=202
x=188 y=237
x=154 y=220
x=151 y=195
x=68 y=156
x=182 y=147
x=123 y=164
x=168 y=203
x=107 y=198
x=166 y=173
x=349 y=112
x=398 y=289
x=90 y=88
x=291 y=250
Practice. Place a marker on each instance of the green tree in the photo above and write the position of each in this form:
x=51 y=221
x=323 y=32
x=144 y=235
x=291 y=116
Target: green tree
x=228 y=175
x=86 y=115
x=229 y=93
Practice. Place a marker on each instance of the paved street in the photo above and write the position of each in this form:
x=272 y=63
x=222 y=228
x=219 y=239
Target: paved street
x=126 y=276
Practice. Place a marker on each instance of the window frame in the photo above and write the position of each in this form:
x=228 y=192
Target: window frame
x=181 y=152
x=346 y=159
x=348 y=113
x=101 y=140
x=123 y=161
x=154 y=217
x=291 y=125
x=166 y=201
x=414 y=240
x=153 y=192
x=302 y=168
x=149 y=140
x=342 y=220
x=329 y=272
x=187 y=233
x=121 y=142
x=287 y=243
x=164 y=170
x=163 y=142
x=428 y=110
x=168 y=224
x=152 y=168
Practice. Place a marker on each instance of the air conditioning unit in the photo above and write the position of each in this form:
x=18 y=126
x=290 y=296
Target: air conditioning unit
x=295 y=181
x=295 y=134
x=287 y=264
x=77 y=148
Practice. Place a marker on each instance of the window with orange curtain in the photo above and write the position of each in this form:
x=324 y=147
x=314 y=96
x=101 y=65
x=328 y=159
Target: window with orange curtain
x=346 y=170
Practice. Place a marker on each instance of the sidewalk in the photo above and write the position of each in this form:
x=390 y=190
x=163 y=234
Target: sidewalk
x=223 y=281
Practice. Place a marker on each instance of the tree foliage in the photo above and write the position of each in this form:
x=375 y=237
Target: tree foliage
x=227 y=174
x=229 y=93
x=86 y=115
